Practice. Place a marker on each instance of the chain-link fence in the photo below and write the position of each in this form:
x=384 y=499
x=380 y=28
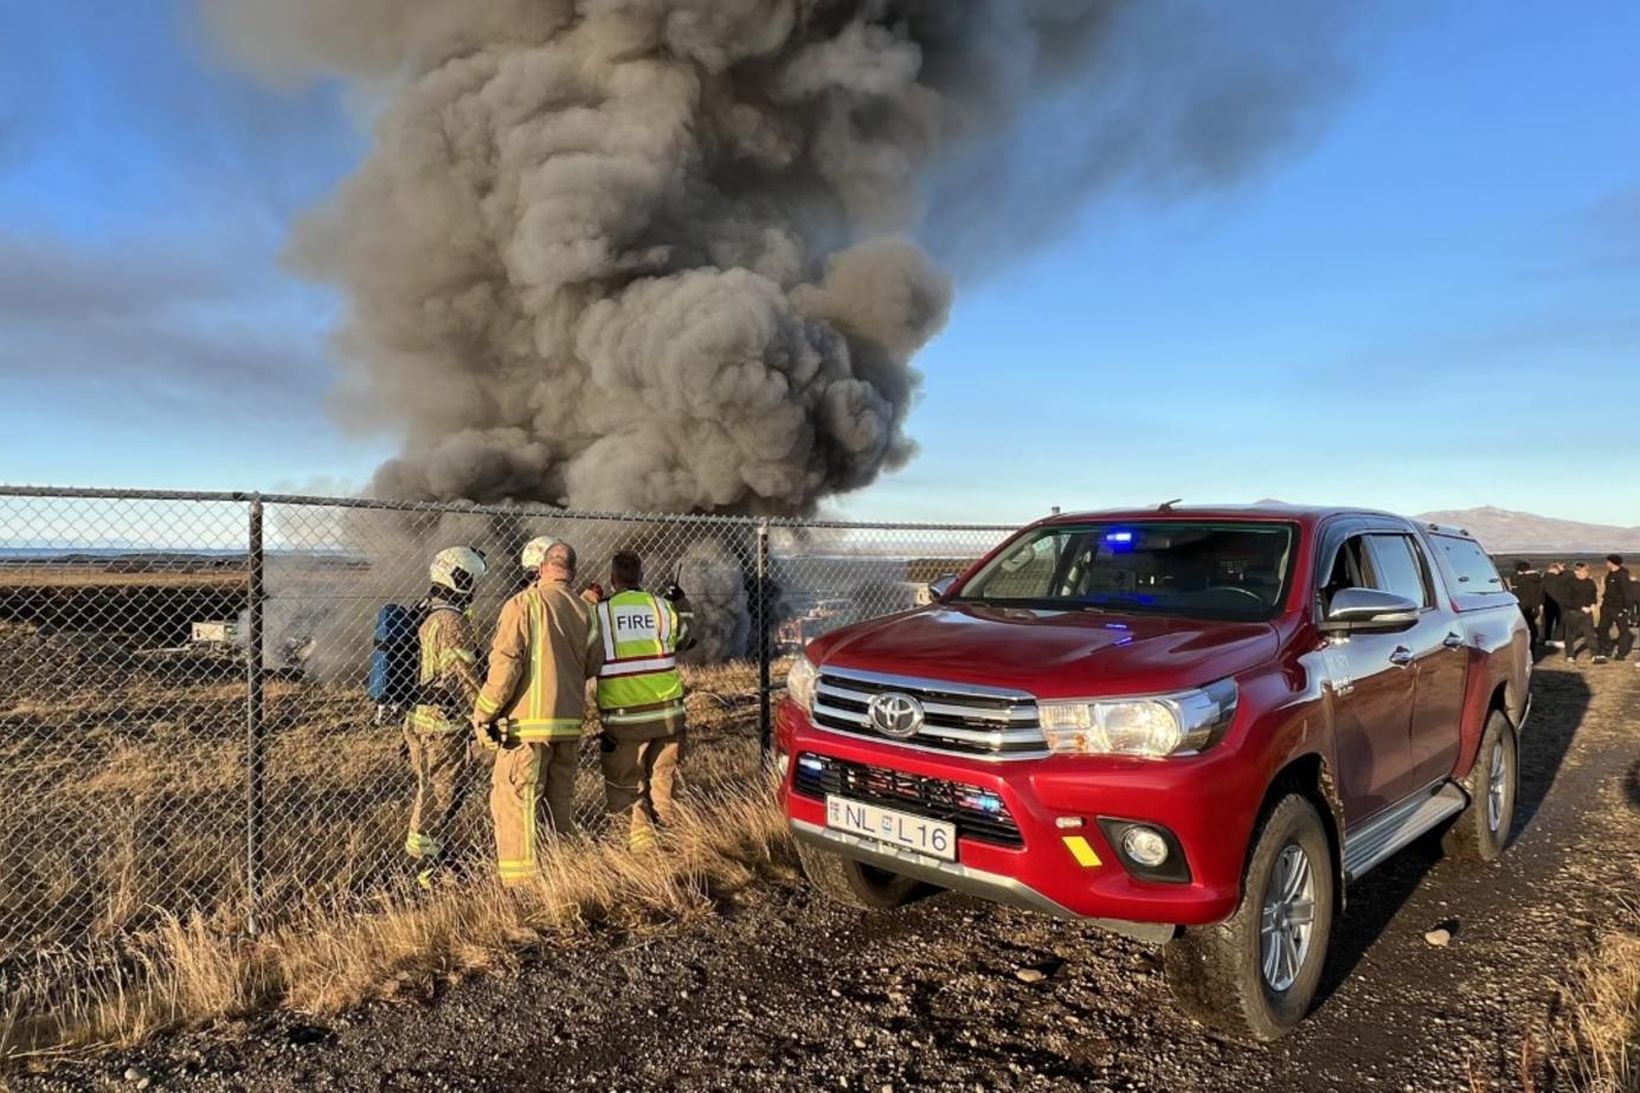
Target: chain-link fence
x=184 y=723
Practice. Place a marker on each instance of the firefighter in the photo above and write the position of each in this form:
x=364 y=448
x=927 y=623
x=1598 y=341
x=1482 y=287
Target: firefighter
x=640 y=699
x=531 y=707
x=448 y=683
x=1617 y=600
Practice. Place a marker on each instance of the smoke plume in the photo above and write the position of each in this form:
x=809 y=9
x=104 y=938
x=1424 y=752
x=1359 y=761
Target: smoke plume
x=661 y=254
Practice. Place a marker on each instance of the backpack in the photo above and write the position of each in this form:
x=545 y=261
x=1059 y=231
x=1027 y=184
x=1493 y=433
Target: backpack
x=395 y=662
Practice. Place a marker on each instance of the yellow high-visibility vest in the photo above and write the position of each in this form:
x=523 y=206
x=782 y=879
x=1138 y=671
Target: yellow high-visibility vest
x=639 y=680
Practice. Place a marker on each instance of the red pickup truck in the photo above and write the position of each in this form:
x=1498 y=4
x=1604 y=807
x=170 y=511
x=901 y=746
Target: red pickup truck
x=1191 y=726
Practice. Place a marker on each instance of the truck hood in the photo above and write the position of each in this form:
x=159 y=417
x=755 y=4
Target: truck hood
x=1051 y=654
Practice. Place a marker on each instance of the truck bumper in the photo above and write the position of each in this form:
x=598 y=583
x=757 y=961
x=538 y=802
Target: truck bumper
x=961 y=878
x=1062 y=861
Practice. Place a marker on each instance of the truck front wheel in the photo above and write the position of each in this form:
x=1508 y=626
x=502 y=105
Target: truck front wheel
x=1254 y=976
x=853 y=883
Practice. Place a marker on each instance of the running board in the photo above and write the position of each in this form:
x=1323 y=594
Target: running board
x=1392 y=830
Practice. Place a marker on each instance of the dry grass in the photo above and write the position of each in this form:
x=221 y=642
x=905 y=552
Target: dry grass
x=122 y=791
x=1603 y=1034
x=122 y=866
x=326 y=958
x=89 y=577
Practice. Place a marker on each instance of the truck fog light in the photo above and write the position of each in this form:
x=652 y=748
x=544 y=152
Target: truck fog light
x=1144 y=846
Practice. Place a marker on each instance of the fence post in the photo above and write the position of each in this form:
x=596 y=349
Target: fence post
x=254 y=710
x=765 y=728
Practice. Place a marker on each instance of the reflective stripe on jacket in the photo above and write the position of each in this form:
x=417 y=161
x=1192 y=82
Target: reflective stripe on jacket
x=448 y=678
x=639 y=680
x=546 y=648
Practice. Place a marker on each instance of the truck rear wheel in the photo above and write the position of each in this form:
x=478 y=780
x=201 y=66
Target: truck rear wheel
x=1254 y=976
x=853 y=883
x=1482 y=830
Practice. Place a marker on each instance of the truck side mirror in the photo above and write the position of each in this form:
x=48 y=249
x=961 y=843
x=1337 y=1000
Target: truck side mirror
x=1368 y=610
x=941 y=585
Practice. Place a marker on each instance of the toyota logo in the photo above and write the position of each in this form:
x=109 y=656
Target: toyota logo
x=895 y=714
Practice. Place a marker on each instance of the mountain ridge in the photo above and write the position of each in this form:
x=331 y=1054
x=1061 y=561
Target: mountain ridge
x=1508 y=531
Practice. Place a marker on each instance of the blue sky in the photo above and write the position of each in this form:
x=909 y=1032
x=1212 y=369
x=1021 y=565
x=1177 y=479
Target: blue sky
x=1435 y=304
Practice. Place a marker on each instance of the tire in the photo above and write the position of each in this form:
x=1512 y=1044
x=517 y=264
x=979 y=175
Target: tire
x=1481 y=831
x=1221 y=974
x=853 y=884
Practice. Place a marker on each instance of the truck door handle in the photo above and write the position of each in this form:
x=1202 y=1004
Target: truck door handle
x=1402 y=656
x=1453 y=641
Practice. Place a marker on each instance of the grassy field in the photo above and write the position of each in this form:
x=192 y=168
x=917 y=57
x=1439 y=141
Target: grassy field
x=122 y=868
x=327 y=954
x=58 y=576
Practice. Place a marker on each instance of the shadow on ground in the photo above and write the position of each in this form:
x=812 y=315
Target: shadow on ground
x=1560 y=698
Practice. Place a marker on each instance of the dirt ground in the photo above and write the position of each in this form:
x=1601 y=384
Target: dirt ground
x=782 y=990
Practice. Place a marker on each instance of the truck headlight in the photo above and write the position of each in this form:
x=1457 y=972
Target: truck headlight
x=1186 y=721
x=800 y=682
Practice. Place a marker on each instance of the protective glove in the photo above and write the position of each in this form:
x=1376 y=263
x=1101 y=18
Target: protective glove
x=502 y=731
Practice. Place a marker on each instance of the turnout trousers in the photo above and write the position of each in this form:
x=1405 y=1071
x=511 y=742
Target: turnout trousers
x=439 y=760
x=524 y=773
x=641 y=777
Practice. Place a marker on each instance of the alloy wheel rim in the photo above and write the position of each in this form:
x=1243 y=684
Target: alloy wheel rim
x=1287 y=926
x=1497 y=787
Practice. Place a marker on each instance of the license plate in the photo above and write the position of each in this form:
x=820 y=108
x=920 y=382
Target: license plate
x=935 y=838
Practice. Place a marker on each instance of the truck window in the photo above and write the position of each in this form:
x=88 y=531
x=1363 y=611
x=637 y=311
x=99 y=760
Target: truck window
x=1165 y=567
x=1398 y=566
x=1348 y=570
x=1469 y=564
x=1028 y=566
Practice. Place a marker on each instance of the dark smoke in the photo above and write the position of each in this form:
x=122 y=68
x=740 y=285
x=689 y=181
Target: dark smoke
x=658 y=254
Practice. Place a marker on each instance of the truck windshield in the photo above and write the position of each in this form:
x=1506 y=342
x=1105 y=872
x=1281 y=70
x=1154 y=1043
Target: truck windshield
x=1235 y=571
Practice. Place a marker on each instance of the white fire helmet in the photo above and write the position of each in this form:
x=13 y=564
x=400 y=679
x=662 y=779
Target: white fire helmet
x=458 y=568
x=535 y=552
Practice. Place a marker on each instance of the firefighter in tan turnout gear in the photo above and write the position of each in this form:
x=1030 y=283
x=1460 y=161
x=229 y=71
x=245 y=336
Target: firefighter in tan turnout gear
x=531 y=707
x=447 y=686
x=640 y=699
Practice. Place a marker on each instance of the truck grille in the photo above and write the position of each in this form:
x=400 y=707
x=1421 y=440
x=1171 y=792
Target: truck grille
x=977 y=813
x=984 y=722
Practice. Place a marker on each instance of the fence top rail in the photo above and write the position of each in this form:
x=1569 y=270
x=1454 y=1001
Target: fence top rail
x=68 y=493
x=97 y=493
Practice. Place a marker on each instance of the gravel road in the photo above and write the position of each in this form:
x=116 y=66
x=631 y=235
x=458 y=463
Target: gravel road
x=783 y=991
